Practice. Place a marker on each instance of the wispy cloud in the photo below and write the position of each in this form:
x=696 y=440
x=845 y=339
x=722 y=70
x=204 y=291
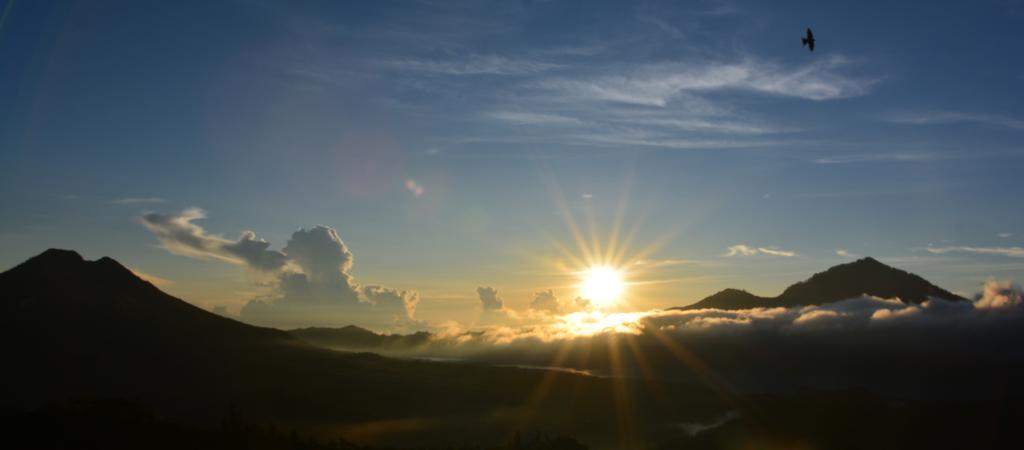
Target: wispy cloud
x=877 y=157
x=180 y=236
x=659 y=84
x=1012 y=252
x=534 y=118
x=663 y=105
x=644 y=138
x=746 y=250
x=946 y=117
x=134 y=200
x=474 y=65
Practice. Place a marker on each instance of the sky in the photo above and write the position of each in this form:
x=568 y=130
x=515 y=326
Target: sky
x=423 y=162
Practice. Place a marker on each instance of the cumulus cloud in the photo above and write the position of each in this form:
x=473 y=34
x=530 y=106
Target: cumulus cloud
x=546 y=301
x=489 y=298
x=323 y=292
x=746 y=250
x=494 y=312
x=180 y=236
x=311 y=283
x=320 y=253
x=396 y=300
x=998 y=294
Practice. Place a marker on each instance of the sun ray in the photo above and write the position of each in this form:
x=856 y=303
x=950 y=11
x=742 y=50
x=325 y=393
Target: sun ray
x=620 y=392
x=650 y=377
x=620 y=217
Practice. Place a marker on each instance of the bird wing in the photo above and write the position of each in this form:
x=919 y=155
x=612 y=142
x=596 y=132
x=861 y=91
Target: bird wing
x=810 y=36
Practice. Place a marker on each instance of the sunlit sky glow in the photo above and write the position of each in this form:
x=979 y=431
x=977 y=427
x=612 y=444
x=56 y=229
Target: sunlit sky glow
x=451 y=146
x=602 y=284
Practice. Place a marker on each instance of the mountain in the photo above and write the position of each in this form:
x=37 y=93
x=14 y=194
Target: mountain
x=866 y=276
x=59 y=290
x=92 y=328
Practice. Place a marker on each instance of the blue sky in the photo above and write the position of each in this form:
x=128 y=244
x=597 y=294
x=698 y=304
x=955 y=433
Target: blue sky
x=452 y=144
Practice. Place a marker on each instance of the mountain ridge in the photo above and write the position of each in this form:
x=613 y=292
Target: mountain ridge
x=865 y=276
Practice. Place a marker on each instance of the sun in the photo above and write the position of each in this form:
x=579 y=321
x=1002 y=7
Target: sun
x=602 y=285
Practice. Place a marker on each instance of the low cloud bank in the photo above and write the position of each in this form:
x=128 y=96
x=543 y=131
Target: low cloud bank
x=937 y=348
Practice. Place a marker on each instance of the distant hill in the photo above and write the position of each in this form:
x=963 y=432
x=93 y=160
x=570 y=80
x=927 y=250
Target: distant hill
x=866 y=276
x=356 y=338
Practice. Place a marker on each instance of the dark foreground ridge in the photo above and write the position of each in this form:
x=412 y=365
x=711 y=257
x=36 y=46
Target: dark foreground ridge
x=866 y=276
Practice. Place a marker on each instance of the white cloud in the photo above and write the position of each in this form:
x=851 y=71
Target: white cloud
x=311 y=284
x=705 y=125
x=180 y=236
x=1012 y=252
x=746 y=250
x=659 y=84
x=999 y=294
x=648 y=138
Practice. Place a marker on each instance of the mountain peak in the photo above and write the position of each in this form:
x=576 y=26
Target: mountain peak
x=56 y=256
x=867 y=260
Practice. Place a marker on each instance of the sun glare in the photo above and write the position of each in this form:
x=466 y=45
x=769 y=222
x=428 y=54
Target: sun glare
x=601 y=285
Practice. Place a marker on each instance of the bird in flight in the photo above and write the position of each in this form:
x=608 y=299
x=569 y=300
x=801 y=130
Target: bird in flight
x=808 y=40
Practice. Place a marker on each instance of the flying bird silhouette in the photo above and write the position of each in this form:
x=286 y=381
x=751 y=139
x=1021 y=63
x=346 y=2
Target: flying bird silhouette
x=808 y=40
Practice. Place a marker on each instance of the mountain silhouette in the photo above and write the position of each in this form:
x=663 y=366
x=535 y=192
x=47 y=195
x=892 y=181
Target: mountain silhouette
x=78 y=329
x=866 y=276
x=58 y=289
